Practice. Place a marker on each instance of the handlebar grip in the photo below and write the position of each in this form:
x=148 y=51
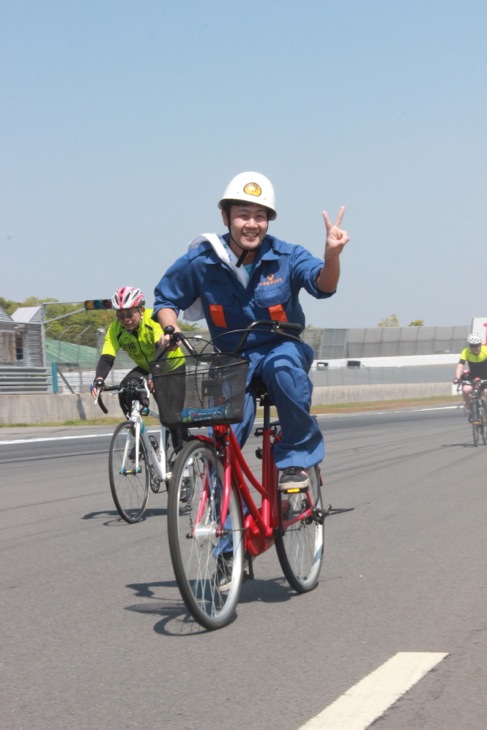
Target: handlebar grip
x=290 y=326
x=102 y=405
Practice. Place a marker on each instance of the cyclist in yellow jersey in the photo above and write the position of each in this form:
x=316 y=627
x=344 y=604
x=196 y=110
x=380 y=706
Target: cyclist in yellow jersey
x=136 y=333
x=473 y=358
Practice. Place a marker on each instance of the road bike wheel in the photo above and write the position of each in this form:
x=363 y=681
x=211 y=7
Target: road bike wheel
x=483 y=425
x=130 y=490
x=300 y=546
x=475 y=416
x=204 y=558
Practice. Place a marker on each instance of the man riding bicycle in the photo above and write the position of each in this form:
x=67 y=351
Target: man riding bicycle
x=473 y=358
x=135 y=332
x=247 y=275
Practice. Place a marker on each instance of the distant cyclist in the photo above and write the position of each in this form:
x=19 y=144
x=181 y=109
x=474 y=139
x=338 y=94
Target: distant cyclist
x=136 y=333
x=474 y=359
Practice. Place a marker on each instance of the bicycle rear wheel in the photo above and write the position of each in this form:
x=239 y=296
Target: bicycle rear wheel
x=300 y=546
x=130 y=488
x=207 y=560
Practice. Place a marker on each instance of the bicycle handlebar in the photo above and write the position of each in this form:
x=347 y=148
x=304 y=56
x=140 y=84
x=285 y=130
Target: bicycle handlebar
x=461 y=381
x=142 y=387
x=275 y=326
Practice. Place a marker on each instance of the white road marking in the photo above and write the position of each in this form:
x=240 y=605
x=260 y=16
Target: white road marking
x=372 y=696
x=39 y=439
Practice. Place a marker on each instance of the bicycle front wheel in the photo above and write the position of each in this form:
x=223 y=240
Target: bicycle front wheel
x=475 y=416
x=129 y=484
x=300 y=544
x=483 y=427
x=207 y=556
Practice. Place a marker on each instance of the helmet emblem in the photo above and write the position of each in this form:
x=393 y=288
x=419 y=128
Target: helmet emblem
x=253 y=189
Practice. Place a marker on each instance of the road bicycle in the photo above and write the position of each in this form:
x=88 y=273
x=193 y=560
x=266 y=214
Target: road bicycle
x=137 y=460
x=477 y=411
x=228 y=516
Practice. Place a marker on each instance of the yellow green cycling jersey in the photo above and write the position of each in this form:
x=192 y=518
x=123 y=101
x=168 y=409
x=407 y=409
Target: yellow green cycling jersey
x=140 y=345
x=477 y=363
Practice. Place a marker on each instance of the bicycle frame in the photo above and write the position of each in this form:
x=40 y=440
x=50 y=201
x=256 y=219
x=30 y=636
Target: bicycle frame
x=157 y=461
x=261 y=522
x=136 y=464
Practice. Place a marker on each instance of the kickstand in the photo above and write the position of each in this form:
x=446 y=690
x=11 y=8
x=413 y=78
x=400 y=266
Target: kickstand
x=250 y=568
x=337 y=510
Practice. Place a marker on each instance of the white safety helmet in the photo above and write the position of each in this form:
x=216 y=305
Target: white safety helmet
x=250 y=187
x=474 y=339
x=128 y=297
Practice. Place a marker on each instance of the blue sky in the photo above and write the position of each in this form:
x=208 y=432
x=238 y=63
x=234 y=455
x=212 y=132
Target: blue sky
x=121 y=122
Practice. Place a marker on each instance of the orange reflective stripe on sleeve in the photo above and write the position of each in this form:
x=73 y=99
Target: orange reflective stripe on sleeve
x=277 y=313
x=218 y=315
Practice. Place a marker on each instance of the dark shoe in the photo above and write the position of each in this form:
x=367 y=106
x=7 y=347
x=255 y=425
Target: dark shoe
x=186 y=493
x=132 y=454
x=224 y=571
x=293 y=478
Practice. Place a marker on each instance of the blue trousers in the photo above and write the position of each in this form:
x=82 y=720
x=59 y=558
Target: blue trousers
x=283 y=368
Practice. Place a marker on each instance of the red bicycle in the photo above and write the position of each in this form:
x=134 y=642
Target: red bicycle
x=220 y=515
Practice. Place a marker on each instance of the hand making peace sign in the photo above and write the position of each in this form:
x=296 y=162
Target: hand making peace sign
x=336 y=238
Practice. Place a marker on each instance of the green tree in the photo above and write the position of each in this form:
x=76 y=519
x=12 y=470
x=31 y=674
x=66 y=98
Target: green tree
x=67 y=323
x=8 y=305
x=390 y=321
x=416 y=323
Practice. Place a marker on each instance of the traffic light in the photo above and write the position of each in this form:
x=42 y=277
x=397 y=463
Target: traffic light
x=92 y=304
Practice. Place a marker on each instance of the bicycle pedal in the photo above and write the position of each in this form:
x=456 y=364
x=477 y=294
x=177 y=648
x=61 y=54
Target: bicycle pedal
x=320 y=515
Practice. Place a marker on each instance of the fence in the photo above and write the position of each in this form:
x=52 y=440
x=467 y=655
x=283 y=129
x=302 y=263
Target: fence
x=74 y=364
x=335 y=344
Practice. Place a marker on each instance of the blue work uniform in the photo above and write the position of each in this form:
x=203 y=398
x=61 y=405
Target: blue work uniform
x=280 y=270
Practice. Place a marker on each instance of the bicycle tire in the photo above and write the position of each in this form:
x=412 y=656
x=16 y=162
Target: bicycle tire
x=130 y=491
x=195 y=547
x=300 y=546
x=483 y=424
x=474 y=414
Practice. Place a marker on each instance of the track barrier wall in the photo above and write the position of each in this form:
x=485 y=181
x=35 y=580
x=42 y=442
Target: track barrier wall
x=43 y=408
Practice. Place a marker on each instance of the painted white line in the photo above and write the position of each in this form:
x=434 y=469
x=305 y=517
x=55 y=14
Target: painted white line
x=372 y=696
x=38 y=439
x=437 y=408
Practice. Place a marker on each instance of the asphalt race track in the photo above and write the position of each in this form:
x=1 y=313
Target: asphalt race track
x=95 y=634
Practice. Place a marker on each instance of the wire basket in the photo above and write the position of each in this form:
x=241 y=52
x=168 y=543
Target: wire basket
x=203 y=390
